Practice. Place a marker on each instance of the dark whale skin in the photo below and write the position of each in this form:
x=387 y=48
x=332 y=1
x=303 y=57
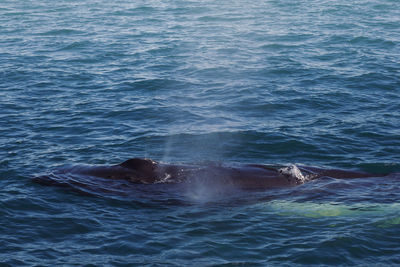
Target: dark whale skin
x=253 y=176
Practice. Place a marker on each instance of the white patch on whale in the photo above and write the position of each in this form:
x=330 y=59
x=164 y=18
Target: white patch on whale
x=293 y=174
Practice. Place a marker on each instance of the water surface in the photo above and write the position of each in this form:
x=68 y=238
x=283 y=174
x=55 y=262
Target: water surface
x=273 y=82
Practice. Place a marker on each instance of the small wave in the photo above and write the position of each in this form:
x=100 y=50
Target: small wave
x=75 y=46
x=60 y=32
x=138 y=11
x=374 y=41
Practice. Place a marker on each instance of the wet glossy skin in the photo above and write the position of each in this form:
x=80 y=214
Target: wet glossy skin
x=146 y=171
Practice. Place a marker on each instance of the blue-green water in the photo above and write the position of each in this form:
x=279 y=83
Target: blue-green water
x=97 y=82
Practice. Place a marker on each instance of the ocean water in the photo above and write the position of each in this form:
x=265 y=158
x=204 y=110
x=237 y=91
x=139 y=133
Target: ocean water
x=92 y=82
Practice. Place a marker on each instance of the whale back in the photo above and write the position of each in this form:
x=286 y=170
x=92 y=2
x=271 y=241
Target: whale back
x=144 y=166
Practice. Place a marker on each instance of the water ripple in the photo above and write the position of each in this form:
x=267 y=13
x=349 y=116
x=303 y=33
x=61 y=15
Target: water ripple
x=273 y=82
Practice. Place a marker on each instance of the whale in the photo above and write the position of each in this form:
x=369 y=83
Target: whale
x=250 y=176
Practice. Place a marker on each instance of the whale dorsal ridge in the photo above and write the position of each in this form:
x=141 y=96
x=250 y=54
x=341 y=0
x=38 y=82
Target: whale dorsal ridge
x=144 y=165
